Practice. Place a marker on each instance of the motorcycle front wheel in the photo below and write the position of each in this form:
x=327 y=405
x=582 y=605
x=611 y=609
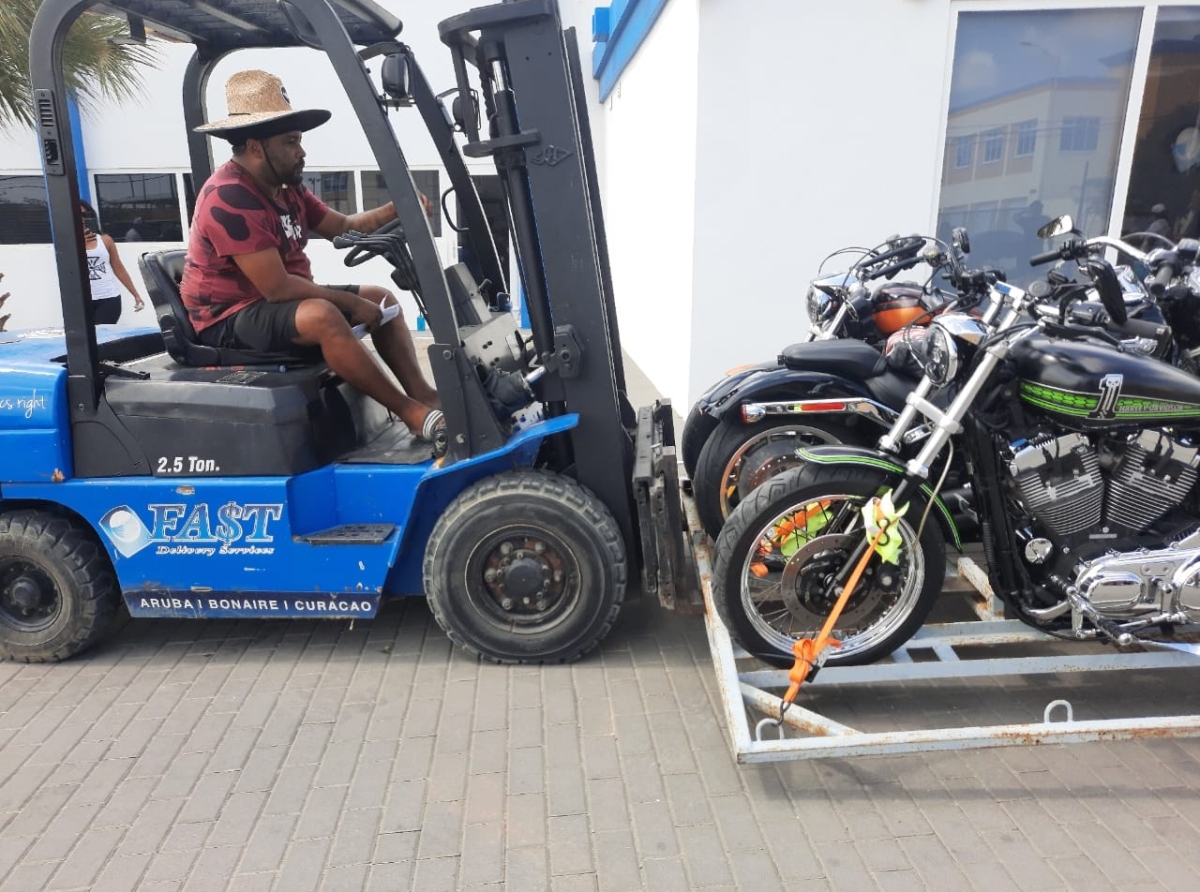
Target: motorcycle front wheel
x=777 y=556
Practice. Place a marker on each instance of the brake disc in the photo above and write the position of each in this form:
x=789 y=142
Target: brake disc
x=808 y=576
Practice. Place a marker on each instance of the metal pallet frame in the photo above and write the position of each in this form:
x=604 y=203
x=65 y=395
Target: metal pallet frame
x=814 y=736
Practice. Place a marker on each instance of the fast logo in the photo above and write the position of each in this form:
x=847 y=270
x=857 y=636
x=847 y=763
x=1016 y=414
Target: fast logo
x=233 y=528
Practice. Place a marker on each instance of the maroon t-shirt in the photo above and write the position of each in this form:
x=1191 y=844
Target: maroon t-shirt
x=234 y=217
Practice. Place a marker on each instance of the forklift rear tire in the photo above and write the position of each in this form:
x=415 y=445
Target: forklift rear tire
x=526 y=567
x=58 y=593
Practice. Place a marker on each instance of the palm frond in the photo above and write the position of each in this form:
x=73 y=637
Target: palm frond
x=94 y=67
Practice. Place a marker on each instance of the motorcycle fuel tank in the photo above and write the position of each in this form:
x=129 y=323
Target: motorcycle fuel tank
x=1093 y=386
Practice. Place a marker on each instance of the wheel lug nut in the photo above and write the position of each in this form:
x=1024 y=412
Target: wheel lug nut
x=542 y=604
x=490 y=576
x=539 y=547
x=558 y=576
x=506 y=548
x=507 y=603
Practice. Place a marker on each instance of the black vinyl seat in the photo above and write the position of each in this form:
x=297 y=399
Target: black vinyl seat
x=853 y=359
x=163 y=272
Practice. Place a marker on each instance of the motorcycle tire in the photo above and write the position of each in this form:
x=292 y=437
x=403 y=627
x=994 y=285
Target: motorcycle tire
x=737 y=458
x=753 y=561
x=697 y=428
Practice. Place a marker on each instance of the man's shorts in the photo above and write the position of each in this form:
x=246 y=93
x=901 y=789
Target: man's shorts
x=262 y=327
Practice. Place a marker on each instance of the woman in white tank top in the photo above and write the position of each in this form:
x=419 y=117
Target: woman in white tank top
x=106 y=273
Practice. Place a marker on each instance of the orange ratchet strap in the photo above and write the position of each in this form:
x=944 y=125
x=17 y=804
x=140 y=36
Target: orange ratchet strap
x=806 y=649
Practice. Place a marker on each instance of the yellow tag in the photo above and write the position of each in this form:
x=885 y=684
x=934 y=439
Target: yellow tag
x=880 y=512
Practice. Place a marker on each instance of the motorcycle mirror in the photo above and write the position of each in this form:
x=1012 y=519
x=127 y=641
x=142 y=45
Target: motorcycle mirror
x=1057 y=226
x=396 y=80
x=960 y=239
x=1109 y=288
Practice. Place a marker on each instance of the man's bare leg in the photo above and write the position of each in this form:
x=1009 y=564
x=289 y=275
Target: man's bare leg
x=395 y=345
x=320 y=323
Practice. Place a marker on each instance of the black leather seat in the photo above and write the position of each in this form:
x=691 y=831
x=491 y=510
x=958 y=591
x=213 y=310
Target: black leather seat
x=162 y=272
x=854 y=359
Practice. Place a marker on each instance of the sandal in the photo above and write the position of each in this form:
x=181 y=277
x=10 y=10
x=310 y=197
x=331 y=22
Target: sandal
x=435 y=421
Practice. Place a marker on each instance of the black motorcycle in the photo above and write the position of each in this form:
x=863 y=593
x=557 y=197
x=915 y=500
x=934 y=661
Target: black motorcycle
x=1083 y=454
x=833 y=387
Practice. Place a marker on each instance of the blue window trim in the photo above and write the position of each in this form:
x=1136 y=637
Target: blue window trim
x=618 y=30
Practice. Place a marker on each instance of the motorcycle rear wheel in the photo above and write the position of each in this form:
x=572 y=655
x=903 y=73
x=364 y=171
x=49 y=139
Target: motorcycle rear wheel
x=738 y=458
x=781 y=546
x=697 y=428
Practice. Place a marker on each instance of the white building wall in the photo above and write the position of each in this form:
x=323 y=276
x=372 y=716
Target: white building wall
x=649 y=188
x=819 y=126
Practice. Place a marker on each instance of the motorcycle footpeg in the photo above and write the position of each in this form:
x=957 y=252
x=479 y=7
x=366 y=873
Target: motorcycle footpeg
x=1113 y=632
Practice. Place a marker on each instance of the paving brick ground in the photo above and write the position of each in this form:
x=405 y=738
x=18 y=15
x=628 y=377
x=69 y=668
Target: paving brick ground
x=307 y=755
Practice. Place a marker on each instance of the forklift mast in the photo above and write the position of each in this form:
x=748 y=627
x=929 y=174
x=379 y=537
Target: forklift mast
x=538 y=134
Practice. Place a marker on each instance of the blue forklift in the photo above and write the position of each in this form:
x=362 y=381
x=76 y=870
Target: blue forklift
x=191 y=482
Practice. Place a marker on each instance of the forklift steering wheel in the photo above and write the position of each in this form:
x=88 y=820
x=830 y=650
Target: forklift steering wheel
x=363 y=246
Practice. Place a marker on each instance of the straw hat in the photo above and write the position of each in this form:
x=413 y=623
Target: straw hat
x=257 y=99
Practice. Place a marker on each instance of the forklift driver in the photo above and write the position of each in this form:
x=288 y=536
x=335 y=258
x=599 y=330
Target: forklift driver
x=248 y=284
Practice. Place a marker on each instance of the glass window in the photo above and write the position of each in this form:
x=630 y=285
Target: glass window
x=1068 y=69
x=1166 y=153
x=189 y=197
x=335 y=188
x=1079 y=134
x=139 y=207
x=964 y=151
x=993 y=146
x=24 y=211
x=1026 y=138
x=427 y=182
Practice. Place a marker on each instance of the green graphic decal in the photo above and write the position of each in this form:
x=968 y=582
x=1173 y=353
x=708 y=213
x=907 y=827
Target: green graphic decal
x=1069 y=402
x=1065 y=401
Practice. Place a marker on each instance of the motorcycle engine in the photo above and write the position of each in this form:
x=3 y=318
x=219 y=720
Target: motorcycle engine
x=1070 y=485
x=1153 y=476
x=1097 y=501
x=1059 y=482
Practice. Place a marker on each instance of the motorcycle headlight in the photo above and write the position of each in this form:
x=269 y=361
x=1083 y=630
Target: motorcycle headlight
x=941 y=363
x=819 y=304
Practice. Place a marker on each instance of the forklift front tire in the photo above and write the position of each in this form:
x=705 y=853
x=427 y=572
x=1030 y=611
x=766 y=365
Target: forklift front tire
x=526 y=567
x=58 y=593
